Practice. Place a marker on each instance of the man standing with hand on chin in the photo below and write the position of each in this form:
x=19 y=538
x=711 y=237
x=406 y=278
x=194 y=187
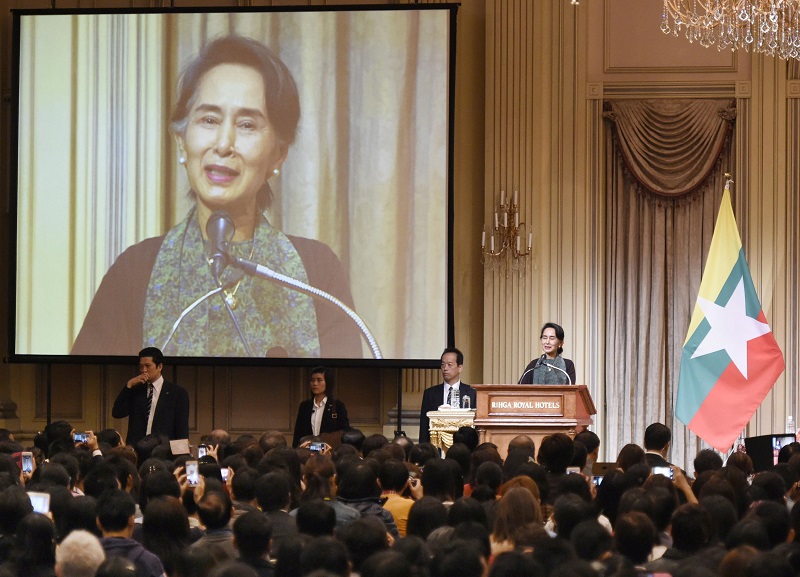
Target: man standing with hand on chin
x=152 y=404
x=443 y=394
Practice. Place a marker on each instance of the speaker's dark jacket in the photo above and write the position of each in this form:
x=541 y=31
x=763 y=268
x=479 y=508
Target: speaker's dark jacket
x=171 y=417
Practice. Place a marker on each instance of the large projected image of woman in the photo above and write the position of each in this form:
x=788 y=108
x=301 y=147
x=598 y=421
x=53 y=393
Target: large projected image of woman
x=235 y=118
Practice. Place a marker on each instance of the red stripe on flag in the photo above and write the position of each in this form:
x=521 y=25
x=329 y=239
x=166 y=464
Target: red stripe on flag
x=732 y=401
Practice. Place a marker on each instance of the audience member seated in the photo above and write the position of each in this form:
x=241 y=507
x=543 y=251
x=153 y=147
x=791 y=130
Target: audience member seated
x=252 y=532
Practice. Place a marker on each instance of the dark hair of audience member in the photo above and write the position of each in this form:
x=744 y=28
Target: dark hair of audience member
x=770 y=565
x=243 y=484
x=53 y=474
x=421 y=453
x=575 y=484
x=741 y=486
x=215 y=507
x=416 y=552
x=530 y=536
x=252 y=532
x=723 y=516
x=474 y=532
x=552 y=553
x=319 y=473
x=579 y=455
x=35 y=549
x=787 y=473
x=363 y=537
x=119 y=566
x=359 y=481
x=386 y=564
x=468 y=436
x=490 y=476
x=637 y=499
x=273 y=491
x=80 y=513
x=325 y=553
x=664 y=504
x=515 y=459
x=233 y=568
x=115 y=507
x=437 y=481
x=426 y=515
x=283 y=459
x=515 y=509
x=776 y=521
x=461 y=454
x=631 y=454
x=515 y=564
x=158 y=484
x=354 y=438
x=635 y=535
x=457 y=559
x=100 y=479
x=748 y=531
x=691 y=528
x=467 y=509
x=71 y=465
x=393 y=475
x=287 y=562
x=316 y=518
x=592 y=542
x=404 y=443
x=767 y=486
x=707 y=460
x=576 y=568
x=372 y=443
x=716 y=485
x=440 y=538
x=555 y=453
x=568 y=511
x=656 y=437
x=165 y=530
x=736 y=562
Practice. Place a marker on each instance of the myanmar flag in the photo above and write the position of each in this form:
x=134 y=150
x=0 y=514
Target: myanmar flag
x=730 y=358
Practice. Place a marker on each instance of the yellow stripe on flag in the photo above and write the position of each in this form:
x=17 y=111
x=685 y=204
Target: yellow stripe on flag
x=722 y=256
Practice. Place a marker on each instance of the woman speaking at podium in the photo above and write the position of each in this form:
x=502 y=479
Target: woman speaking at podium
x=550 y=368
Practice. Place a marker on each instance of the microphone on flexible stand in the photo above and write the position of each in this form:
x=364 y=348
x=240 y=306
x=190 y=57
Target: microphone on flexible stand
x=537 y=365
x=220 y=230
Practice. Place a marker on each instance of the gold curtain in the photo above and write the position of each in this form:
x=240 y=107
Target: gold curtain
x=656 y=251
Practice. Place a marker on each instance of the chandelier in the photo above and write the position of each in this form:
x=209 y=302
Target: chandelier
x=506 y=250
x=771 y=27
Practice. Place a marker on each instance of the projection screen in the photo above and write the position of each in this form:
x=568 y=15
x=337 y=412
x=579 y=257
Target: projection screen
x=117 y=181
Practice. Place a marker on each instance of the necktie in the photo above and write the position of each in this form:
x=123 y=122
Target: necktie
x=149 y=399
x=450 y=396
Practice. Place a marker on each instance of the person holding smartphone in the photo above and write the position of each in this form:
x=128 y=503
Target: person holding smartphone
x=321 y=414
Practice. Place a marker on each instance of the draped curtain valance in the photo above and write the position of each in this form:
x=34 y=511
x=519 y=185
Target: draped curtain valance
x=670 y=147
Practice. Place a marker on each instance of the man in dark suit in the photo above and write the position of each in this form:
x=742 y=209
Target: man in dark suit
x=452 y=365
x=152 y=404
x=657 y=438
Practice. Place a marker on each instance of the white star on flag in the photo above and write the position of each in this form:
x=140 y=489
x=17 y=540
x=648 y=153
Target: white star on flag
x=731 y=328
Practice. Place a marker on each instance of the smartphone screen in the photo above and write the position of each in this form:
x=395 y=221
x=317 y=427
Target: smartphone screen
x=80 y=437
x=576 y=470
x=201 y=451
x=192 y=476
x=597 y=479
x=666 y=471
x=40 y=501
x=27 y=462
x=315 y=447
x=226 y=473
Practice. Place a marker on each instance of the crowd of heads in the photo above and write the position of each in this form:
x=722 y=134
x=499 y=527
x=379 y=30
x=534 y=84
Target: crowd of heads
x=379 y=507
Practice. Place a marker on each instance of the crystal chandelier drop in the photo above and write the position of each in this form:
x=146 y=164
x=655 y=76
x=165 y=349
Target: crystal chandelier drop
x=771 y=27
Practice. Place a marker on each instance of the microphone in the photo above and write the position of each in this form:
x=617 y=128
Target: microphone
x=540 y=362
x=549 y=366
x=220 y=230
x=537 y=365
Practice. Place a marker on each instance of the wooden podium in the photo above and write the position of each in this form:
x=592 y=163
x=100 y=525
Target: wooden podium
x=505 y=411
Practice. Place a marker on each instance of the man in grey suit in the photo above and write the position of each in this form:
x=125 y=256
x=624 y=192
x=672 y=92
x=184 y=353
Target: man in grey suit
x=441 y=394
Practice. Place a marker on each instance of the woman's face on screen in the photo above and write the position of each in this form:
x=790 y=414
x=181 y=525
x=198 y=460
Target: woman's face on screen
x=229 y=144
